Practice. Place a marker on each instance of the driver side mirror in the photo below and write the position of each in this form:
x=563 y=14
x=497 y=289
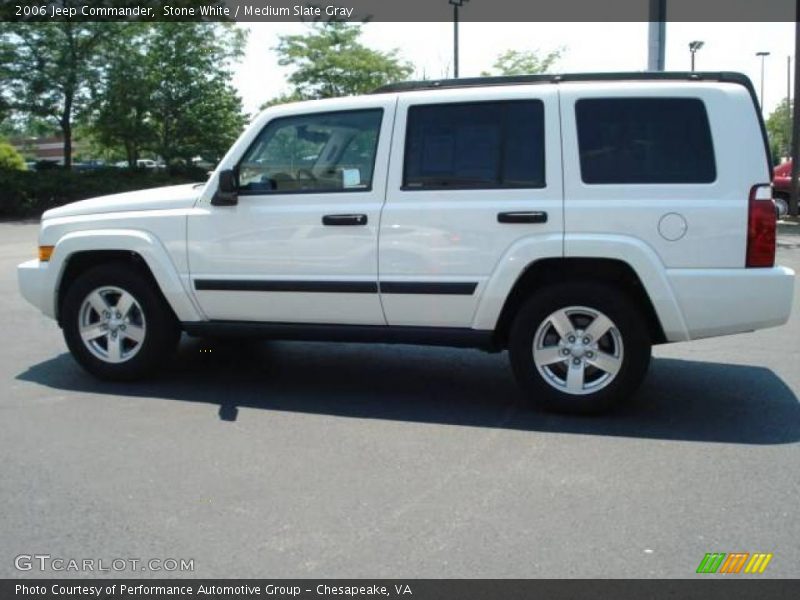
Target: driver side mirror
x=226 y=190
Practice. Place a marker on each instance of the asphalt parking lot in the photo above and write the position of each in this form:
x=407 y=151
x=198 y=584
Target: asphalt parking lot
x=282 y=459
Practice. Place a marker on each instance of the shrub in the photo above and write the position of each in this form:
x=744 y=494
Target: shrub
x=10 y=159
x=30 y=193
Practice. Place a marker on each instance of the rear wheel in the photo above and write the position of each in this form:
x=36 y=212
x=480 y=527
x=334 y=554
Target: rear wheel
x=115 y=324
x=579 y=348
x=781 y=205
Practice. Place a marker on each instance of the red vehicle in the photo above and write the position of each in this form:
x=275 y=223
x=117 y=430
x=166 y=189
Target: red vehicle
x=782 y=186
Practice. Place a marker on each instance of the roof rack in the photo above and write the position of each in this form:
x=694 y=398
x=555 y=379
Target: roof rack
x=433 y=84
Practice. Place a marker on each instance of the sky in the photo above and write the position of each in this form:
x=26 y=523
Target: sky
x=588 y=47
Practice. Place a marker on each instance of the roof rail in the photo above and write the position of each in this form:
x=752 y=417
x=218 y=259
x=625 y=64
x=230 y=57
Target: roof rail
x=433 y=84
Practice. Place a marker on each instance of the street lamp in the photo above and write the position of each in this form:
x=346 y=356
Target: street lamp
x=456 y=5
x=763 y=56
x=693 y=48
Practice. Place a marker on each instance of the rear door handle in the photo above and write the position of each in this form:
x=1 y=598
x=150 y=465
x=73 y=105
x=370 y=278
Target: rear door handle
x=344 y=220
x=536 y=216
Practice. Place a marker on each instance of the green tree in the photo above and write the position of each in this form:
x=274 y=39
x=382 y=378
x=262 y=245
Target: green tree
x=10 y=159
x=6 y=59
x=22 y=125
x=518 y=62
x=779 y=129
x=193 y=108
x=53 y=69
x=330 y=61
x=167 y=90
x=282 y=99
x=120 y=115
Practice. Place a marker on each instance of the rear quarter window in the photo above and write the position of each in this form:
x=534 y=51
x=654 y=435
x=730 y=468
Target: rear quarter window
x=644 y=141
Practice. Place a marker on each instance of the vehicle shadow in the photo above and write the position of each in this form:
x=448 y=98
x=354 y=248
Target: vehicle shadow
x=680 y=400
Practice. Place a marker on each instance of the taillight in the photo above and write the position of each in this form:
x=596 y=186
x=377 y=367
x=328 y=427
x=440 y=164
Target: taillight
x=761 y=224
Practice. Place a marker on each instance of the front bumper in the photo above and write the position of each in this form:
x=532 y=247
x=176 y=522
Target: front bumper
x=35 y=285
x=724 y=301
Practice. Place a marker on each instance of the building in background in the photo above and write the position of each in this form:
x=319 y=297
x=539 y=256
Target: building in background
x=47 y=148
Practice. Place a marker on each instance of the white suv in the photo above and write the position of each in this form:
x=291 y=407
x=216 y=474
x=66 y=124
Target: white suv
x=573 y=220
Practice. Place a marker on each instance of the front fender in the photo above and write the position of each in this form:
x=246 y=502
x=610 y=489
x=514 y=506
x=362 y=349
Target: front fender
x=146 y=245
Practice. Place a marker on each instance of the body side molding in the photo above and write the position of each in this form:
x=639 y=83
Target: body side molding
x=459 y=288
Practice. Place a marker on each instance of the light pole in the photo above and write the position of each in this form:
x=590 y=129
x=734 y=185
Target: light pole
x=789 y=99
x=693 y=48
x=763 y=56
x=794 y=199
x=657 y=35
x=456 y=5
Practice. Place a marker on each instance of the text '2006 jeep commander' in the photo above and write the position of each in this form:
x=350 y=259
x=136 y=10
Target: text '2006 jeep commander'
x=574 y=220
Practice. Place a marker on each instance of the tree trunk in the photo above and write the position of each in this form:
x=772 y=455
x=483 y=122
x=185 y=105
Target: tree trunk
x=166 y=141
x=66 y=131
x=131 y=154
x=69 y=95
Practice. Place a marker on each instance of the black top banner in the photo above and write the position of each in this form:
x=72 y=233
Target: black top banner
x=401 y=10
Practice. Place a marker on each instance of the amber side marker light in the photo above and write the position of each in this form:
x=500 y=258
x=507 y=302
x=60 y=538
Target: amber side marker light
x=45 y=252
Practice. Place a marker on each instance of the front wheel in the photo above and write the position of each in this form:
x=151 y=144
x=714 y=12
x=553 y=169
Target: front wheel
x=579 y=348
x=115 y=324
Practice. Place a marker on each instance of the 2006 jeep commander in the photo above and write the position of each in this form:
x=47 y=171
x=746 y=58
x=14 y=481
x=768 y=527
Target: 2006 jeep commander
x=574 y=220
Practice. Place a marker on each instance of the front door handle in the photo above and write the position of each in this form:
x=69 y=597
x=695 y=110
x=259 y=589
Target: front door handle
x=344 y=220
x=535 y=216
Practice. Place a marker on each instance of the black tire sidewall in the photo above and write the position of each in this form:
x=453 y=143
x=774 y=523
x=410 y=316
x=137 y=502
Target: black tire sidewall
x=618 y=306
x=783 y=206
x=161 y=334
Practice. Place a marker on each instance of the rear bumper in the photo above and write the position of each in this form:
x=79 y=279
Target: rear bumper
x=724 y=301
x=35 y=286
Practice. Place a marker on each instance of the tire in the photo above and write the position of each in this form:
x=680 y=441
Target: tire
x=143 y=337
x=781 y=205
x=545 y=354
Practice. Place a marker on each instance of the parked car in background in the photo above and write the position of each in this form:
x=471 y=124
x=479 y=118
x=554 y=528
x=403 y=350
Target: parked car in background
x=202 y=163
x=782 y=187
x=89 y=165
x=142 y=163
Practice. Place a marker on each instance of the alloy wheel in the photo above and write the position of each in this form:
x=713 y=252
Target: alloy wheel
x=578 y=350
x=112 y=324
